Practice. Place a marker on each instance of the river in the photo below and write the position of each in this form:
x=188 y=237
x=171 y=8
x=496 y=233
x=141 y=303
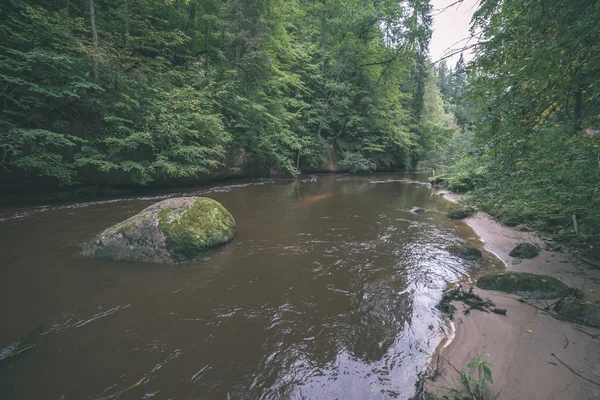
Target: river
x=328 y=290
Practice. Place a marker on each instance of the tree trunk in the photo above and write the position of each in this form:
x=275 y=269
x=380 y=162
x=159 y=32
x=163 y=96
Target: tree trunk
x=578 y=108
x=94 y=38
x=238 y=50
x=127 y=34
x=191 y=18
x=206 y=35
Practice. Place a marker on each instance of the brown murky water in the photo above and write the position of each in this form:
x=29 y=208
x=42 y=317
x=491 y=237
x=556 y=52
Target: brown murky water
x=327 y=291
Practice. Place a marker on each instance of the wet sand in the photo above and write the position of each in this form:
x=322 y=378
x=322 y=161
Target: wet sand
x=520 y=345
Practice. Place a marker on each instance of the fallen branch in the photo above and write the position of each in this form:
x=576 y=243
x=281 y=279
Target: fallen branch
x=575 y=225
x=557 y=316
x=554 y=305
x=112 y=396
x=593 y=336
x=567 y=339
x=573 y=371
x=469 y=298
x=593 y=263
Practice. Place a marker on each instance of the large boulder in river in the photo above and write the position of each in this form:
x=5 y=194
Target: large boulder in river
x=169 y=232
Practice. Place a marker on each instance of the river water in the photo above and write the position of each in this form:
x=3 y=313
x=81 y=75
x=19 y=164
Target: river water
x=327 y=291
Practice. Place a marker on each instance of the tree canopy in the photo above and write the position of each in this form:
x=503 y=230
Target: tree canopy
x=135 y=91
x=535 y=154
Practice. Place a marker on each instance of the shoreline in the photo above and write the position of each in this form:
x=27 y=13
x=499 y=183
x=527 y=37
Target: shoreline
x=520 y=345
x=102 y=191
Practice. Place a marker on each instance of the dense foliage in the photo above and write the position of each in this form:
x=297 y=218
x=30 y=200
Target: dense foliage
x=137 y=90
x=535 y=154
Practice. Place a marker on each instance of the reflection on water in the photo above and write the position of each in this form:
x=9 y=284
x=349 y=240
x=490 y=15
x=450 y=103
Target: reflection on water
x=327 y=291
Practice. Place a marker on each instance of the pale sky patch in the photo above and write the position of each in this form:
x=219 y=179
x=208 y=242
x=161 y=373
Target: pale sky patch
x=451 y=29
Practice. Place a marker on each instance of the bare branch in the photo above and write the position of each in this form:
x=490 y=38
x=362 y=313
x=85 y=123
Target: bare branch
x=456 y=52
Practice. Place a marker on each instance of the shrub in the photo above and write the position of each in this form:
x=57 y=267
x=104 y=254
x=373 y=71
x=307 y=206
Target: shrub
x=356 y=162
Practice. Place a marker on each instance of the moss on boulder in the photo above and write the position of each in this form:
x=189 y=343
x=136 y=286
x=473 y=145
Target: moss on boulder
x=465 y=252
x=170 y=231
x=191 y=232
x=524 y=284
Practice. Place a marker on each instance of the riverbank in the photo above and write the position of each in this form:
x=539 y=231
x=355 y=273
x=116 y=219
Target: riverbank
x=520 y=345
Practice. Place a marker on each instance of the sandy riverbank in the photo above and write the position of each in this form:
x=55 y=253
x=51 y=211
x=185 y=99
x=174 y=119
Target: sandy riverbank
x=523 y=367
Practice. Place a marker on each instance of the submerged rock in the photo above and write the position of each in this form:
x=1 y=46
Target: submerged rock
x=464 y=252
x=524 y=284
x=170 y=231
x=525 y=250
x=417 y=210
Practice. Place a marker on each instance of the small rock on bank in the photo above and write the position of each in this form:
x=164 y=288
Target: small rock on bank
x=461 y=213
x=522 y=228
x=525 y=250
x=171 y=231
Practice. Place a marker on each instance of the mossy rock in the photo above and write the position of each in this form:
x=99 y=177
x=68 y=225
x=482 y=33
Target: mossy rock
x=461 y=213
x=524 y=284
x=580 y=311
x=522 y=228
x=525 y=250
x=465 y=252
x=171 y=231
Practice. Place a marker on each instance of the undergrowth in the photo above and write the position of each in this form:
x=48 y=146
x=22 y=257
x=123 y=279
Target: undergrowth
x=554 y=190
x=473 y=386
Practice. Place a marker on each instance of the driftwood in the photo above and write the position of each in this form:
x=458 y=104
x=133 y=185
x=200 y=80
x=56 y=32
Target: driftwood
x=593 y=336
x=469 y=298
x=588 y=261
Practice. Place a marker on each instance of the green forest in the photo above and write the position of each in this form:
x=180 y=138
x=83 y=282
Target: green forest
x=532 y=99
x=158 y=92
x=137 y=91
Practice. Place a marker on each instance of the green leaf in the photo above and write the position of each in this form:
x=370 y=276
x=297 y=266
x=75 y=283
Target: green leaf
x=487 y=373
